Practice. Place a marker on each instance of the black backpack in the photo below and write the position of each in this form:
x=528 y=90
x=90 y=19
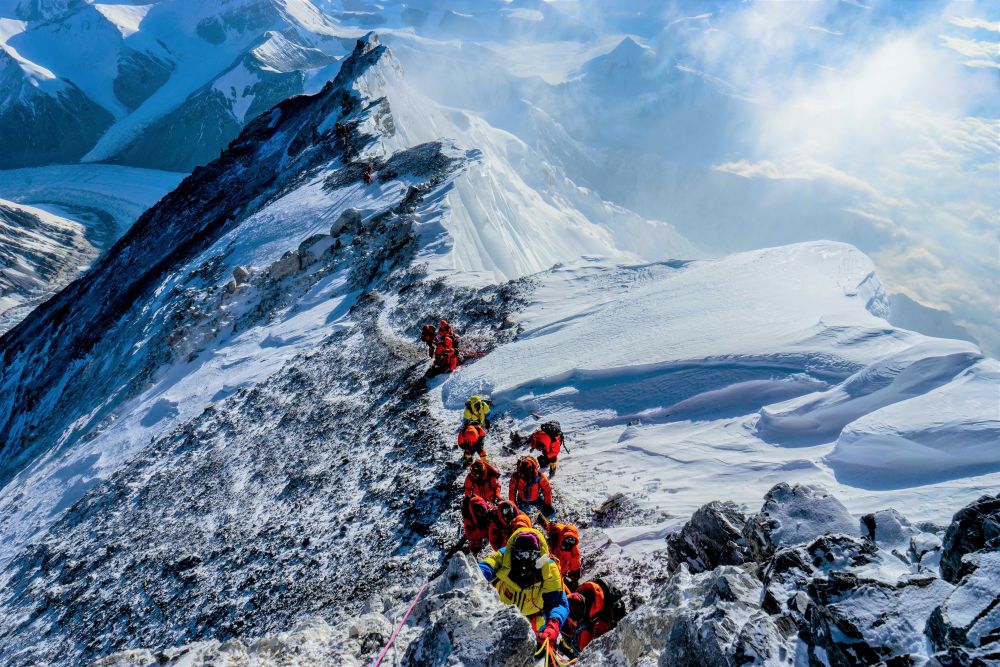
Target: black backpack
x=551 y=429
x=614 y=601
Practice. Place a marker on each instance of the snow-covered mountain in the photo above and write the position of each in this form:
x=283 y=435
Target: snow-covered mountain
x=223 y=430
x=163 y=84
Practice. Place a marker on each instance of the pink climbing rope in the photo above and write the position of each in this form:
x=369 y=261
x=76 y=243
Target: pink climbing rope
x=378 y=660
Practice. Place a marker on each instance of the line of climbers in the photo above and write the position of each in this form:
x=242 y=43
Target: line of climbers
x=537 y=569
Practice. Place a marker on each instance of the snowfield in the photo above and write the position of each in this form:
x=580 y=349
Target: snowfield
x=221 y=438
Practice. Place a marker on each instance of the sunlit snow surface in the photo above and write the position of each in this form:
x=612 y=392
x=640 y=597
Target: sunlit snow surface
x=681 y=383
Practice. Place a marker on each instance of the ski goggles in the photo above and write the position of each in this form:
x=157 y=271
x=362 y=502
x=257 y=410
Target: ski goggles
x=526 y=555
x=569 y=542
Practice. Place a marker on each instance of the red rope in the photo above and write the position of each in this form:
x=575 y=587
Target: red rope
x=399 y=627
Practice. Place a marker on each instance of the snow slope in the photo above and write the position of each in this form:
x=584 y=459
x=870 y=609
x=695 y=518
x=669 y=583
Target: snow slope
x=39 y=253
x=162 y=84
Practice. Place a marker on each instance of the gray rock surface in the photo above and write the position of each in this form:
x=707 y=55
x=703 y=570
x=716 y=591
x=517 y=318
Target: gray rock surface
x=713 y=537
x=975 y=527
x=793 y=514
x=970 y=616
x=858 y=621
x=465 y=623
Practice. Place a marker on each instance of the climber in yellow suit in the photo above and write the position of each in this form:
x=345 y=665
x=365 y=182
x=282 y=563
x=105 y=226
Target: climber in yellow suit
x=526 y=576
x=477 y=411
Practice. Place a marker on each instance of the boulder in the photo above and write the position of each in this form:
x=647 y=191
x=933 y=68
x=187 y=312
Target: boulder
x=970 y=616
x=285 y=266
x=466 y=624
x=313 y=248
x=241 y=275
x=727 y=627
x=711 y=618
x=893 y=533
x=786 y=575
x=794 y=514
x=975 y=527
x=348 y=220
x=713 y=537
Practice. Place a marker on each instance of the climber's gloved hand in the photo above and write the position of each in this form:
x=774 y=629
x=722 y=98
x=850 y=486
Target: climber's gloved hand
x=550 y=632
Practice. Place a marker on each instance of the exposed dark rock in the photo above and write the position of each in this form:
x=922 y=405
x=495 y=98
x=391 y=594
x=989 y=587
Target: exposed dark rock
x=970 y=616
x=140 y=74
x=787 y=574
x=859 y=621
x=974 y=528
x=711 y=618
x=713 y=537
x=65 y=124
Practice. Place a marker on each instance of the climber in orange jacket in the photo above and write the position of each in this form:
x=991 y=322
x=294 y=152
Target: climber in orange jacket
x=476 y=519
x=445 y=330
x=530 y=487
x=548 y=440
x=595 y=608
x=428 y=337
x=564 y=546
x=445 y=356
x=483 y=480
x=506 y=519
x=472 y=440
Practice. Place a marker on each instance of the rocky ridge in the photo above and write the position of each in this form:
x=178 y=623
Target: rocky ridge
x=802 y=582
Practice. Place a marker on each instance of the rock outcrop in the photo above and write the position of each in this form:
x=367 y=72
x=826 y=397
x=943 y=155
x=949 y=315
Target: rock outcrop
x=973 y=528
x=793 y=514
x=713 y=537
x=815 y=590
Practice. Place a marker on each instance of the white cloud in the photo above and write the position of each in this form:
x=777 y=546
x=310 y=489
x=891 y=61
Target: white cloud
x=898 y=130
x=972 y=48
x=819 y=28
x=968 y=22
x=699 y=17
x=985 y=64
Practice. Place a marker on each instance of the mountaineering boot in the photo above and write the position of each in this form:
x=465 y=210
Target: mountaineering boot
x=552 y=470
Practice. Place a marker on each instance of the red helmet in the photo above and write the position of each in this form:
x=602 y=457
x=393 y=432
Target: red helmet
x=527 y=467
x=478 y=470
